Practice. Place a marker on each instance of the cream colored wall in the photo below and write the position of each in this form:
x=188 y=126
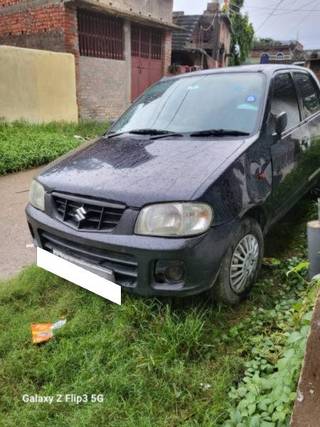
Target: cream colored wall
x=37 y=86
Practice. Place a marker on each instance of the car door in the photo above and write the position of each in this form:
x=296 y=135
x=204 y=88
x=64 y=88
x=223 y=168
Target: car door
x=287 y=149
x=309 y=92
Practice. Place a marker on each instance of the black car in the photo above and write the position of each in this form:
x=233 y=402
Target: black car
x=176 y=198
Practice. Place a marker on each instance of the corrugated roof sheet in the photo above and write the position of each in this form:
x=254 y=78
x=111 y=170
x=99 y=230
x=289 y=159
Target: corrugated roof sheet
x=181 y=38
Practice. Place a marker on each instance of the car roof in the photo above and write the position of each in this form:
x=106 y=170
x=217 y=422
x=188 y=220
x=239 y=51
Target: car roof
x=267 y=69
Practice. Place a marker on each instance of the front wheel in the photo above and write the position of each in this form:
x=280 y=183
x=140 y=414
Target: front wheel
x=241 y=263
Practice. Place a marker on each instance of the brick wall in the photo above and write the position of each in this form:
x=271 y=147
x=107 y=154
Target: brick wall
x=70 y=26
x=4 y=3
x=225 y=38
x=104 y=85
x=102 y=88
x=40 y=28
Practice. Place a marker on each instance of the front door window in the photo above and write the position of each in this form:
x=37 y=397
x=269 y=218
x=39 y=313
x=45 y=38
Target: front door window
x=285 y=99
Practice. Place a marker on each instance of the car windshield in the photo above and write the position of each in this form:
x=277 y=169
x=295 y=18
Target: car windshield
x=226 y=101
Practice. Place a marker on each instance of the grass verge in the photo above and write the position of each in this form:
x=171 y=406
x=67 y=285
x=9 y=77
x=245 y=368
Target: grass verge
x=23 y=145
x=157 y=363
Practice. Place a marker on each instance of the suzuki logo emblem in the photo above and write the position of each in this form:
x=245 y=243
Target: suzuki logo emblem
x=80 y=214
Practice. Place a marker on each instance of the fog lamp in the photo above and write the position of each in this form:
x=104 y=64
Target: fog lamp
x=170 y=272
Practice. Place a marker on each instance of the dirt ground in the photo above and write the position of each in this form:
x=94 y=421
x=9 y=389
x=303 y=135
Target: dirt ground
x=307 y=406
x=14 y=232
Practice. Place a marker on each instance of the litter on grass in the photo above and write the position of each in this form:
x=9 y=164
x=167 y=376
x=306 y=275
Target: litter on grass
x=271 y=262
x=42 y=332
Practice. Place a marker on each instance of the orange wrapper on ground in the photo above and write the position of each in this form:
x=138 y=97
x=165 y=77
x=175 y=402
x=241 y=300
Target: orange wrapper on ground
x=41 y=332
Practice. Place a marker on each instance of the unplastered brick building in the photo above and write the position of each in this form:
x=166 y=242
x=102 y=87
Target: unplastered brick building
x=121 y=47
x=204 y=41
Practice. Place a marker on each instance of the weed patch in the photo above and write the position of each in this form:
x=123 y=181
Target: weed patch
x=266 y=394
x=23 y=145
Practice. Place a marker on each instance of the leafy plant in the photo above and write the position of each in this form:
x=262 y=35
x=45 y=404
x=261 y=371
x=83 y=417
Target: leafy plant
x=242 y=33
x=266 y=393
x=299 y=268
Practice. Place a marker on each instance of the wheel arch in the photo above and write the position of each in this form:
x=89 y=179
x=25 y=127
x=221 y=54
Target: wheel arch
x=257 y=213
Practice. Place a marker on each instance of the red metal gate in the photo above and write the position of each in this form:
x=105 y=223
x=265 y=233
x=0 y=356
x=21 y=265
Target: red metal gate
x=147 y=54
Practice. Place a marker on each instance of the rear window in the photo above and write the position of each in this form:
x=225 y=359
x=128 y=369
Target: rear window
x=284 y=99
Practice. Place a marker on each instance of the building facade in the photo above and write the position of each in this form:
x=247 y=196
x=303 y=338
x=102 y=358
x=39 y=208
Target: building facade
x=121 y=47
x=276 y=52
x=312 y=58
x=205 y=41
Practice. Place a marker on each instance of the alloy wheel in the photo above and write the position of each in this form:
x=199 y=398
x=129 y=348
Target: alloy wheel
x=244 y=263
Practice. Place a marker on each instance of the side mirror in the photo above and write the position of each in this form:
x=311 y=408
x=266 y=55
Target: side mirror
x=281 y=123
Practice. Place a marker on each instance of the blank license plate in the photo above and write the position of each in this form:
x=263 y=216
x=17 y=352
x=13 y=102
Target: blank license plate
x=86 y=275
x=100 y=271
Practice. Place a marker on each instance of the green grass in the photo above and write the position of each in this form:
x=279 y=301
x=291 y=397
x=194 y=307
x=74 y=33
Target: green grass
x=23 y=145
x=157 y=362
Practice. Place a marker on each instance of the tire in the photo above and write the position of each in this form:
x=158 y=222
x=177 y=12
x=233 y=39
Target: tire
x=234 y=283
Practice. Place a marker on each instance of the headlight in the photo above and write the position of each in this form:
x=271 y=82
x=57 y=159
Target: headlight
x=174 y=219
x=36 y=195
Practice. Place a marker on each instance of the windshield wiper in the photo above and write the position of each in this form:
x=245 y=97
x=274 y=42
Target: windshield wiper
x=150 y=132
x=220 y=132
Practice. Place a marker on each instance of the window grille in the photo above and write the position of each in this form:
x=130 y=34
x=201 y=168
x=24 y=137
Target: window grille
x=100 y=36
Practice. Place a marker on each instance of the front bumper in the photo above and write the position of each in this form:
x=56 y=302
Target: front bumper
x=134 y=258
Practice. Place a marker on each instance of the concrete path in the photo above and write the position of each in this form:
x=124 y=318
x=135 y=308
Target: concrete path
x=14 y=232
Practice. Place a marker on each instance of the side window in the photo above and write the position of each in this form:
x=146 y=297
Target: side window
x=309 y=92
x=285 y=99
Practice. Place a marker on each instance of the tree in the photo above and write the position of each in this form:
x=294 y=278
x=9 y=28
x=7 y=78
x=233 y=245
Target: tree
x=243 y=33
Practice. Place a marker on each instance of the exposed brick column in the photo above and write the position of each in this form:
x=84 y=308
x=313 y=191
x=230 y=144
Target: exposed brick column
x=71 y=31
x=167 y=46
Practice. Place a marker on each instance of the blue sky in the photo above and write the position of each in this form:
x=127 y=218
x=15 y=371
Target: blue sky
x=295 y=18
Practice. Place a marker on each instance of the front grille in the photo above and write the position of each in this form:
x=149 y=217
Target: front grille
x=87 y=214
x=124 y=266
